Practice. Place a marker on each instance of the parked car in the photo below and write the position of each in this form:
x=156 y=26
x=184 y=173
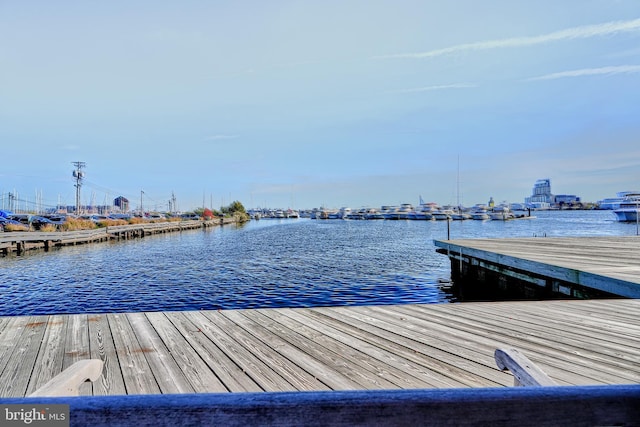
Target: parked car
x=31 y=221
x=57 y=220
x=190 y=216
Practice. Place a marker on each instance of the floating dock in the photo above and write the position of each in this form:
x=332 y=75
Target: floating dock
x=325 y=348
x=546 y=267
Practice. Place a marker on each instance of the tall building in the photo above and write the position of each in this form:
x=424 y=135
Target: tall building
x=541 y=196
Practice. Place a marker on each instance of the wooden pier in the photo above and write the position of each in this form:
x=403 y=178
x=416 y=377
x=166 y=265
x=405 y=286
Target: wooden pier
x=325 y=348
x=547 y=267
x=18 y=242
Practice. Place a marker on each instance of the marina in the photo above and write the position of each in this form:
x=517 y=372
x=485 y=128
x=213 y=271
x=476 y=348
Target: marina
x=379 y=362
x=325 y=348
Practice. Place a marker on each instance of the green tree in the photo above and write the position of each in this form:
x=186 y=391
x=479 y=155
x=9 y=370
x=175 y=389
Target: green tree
x=236 y=210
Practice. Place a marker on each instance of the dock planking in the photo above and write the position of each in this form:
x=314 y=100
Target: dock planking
x=325 y=348
x=607 y=264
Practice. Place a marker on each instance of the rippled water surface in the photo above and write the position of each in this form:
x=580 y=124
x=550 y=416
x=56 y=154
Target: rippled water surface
x=267 y=263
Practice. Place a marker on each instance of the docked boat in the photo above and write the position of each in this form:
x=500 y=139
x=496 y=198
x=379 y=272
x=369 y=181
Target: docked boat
x=359 y=214
x=423 y=212
x=501 y=213
x=389 y=212
x=614 y=203
x=460 y=216
x=442 y=214
x=628 y=210
x=373 y=214
x=479 y=213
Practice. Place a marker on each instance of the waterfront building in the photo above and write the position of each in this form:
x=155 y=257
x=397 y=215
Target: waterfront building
x=541 y=196
x=566 y=199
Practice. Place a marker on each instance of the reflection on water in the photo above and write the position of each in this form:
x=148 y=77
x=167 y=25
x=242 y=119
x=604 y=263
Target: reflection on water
x=269 y=263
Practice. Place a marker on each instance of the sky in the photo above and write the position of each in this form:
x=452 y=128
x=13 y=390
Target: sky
x=329 y=103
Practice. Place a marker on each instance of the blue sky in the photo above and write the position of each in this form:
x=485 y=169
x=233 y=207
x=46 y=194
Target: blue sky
x=309 y=103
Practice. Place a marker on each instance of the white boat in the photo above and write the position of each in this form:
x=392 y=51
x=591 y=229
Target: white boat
x=373 y=214
x=442 y=214
x=628 y=210
x=613 y=203
x=501 y=213
x=405 y=210
x=479 y=213
x=359 y=214
x=291 y=213
x=460 y=216
x=389 y=212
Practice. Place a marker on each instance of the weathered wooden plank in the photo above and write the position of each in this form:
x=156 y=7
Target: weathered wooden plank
x=431 y=350
x=17 y=372
x=324 y=369
x=567 y=328
x=9 y=338
x=102 y=347
x=230 y=374
x=349 y=361
x=49 y=362
x=165 y=370
x=292 y=373
x=252 y=365
x=446 y=335
x=565 y=343
x=412 y=346
x=200 y=377
x=544 y=353
x=371 y=347
x=136 y=372
x=76 y=346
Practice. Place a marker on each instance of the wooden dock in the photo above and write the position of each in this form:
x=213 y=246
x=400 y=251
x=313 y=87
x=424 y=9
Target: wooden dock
x=550 y=266
x=18 y=242
x=325 y=348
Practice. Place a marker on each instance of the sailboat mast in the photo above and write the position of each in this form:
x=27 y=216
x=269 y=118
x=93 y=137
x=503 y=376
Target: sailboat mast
x=458 y=185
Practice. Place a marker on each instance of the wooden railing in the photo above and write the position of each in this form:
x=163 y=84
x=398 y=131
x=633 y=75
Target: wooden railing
x=508 y=406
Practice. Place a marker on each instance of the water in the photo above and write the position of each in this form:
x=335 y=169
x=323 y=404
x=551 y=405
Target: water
x=267 y=263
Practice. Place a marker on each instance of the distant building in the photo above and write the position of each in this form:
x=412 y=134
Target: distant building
x=122 y=203
x=541 y=197
x=566 y=199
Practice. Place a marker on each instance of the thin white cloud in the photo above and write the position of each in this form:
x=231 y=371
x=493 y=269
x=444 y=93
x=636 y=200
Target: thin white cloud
x=221 y=137
x=620 y=69
x=437 y=87
x=582 y=32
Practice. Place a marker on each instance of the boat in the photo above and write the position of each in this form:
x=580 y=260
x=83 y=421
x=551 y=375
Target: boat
x=405 y=210
x=613 y=203
x=389 y=212
x=373 y=214
x=359 y=214
x=442 y=214
x=460 y=216
x=292 y=213
x=479 y=213
x=501 y=213
x=628 y=210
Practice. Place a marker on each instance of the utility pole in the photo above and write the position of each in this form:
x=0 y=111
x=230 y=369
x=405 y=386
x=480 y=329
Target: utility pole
x=78 y=175
x=141 y=209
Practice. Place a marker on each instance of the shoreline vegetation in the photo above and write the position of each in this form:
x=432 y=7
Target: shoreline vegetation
x=235 y=212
